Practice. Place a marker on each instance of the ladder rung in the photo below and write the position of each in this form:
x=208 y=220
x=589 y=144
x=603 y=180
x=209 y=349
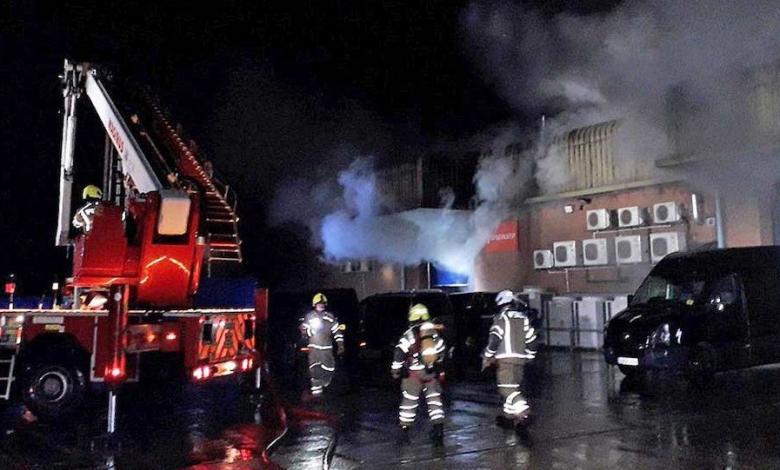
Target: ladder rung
x=221 y=245
x=221 y=221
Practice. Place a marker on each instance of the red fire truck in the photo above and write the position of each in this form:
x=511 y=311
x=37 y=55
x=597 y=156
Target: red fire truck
x=162 y=225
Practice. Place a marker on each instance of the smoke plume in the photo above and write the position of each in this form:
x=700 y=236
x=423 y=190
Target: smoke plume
x=681 y=77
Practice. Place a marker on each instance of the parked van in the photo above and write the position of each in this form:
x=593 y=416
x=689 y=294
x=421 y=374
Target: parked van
x=384 y=318
x=701 y=313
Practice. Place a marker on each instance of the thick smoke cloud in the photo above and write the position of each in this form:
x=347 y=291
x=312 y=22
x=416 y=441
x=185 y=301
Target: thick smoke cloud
x=362 y=229
x=641 y=63
x=679 y=77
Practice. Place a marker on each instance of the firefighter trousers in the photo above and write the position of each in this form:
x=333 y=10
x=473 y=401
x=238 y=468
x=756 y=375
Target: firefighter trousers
x=321 y=369
x=509 y=376
x=419 y=383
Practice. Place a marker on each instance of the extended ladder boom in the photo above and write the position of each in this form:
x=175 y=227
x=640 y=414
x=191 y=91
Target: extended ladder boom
x=82 y=78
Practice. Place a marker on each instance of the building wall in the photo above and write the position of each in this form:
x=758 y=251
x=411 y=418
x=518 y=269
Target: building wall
x=383 y=277
x=543 y=223
x=748 y=220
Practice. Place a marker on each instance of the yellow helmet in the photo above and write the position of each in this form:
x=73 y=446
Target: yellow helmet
x=319 y=298
x=419 y=312
x=91 y=192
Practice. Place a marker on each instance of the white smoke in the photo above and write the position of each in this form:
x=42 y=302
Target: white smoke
x=360 y=228
x=622 y=65
x=586 y=70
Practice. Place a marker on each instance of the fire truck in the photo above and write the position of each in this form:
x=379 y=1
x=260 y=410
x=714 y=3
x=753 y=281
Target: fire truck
x=142 y=264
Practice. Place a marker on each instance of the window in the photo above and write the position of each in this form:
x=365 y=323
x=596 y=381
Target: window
x=357 y=266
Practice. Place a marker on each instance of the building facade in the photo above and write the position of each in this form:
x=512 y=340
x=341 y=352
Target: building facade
x=615 y=217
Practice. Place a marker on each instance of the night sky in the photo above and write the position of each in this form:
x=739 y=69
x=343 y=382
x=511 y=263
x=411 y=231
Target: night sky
x=268 y=89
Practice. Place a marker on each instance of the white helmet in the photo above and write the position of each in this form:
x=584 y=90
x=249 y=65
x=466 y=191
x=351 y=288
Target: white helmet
x=505 y=297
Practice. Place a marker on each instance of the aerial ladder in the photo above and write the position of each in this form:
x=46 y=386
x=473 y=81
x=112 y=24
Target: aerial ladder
x=138 y=272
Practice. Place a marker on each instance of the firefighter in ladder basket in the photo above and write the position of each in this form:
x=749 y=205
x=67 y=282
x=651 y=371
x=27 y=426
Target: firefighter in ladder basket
x=322 y=329
x=82 y=220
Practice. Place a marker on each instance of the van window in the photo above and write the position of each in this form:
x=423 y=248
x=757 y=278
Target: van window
x=723 y=292
x=668 y=288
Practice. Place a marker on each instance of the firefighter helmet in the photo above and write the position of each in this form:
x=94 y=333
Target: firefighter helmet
x=419 y=312
x=91 y=192
x=505 y=297
x=319 y=298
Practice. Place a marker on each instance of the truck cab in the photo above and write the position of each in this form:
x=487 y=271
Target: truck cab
x=701 y=313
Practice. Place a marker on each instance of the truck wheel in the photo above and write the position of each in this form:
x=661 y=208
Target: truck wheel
x=630 y=372
x=702 y=364
x=53 y=391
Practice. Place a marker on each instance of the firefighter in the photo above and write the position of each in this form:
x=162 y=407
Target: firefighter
x=322 y=329
x=417 y=358
x=83 y=218
x=508 y=341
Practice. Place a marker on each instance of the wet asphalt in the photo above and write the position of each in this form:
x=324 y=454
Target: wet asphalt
x=585 y=415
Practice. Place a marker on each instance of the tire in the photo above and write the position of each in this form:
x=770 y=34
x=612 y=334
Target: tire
x=53 y=391
x=702 y=364
x=629 y=371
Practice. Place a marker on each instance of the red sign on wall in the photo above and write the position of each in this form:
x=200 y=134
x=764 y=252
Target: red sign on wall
x=505 y=238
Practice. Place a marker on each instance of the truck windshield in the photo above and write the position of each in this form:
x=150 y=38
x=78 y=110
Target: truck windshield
x=658 y=288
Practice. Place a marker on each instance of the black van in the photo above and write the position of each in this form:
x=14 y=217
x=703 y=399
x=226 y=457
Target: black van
x=700 y=313
x=384 y=318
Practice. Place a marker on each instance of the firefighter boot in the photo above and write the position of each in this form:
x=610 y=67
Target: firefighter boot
x=437 y=434
x=403 y=438
x=504 y=422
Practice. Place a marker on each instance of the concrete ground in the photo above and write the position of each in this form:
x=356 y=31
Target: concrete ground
x=586 y=415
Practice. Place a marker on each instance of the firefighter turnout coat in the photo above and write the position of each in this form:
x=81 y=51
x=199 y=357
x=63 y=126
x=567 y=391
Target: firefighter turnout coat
x=418 y=358
x=507 y=345
x=322 y=329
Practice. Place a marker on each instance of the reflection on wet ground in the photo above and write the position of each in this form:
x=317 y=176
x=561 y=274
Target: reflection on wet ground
x=586 y=415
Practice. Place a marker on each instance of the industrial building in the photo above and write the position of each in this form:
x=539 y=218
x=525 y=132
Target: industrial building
x=604 y=230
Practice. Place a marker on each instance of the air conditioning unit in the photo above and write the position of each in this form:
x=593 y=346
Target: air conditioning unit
x=565 y=253
x=661 y=244
x=597 y=219
x=630 y=217
x=629 y=249
x=666 y=213
x=543 y=259
x=594 y=252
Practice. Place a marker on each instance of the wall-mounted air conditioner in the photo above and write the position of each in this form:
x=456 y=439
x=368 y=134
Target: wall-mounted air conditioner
x=594 y=252
x=565 y=253
x=661 y=244
x=666 y=213
x=597 y=219
x=543 y=259
x=629 y=249
x=630 y=217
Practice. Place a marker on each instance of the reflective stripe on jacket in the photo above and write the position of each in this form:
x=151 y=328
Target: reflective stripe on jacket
x=408 y=351
x=322 y=329
x=508 y=335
